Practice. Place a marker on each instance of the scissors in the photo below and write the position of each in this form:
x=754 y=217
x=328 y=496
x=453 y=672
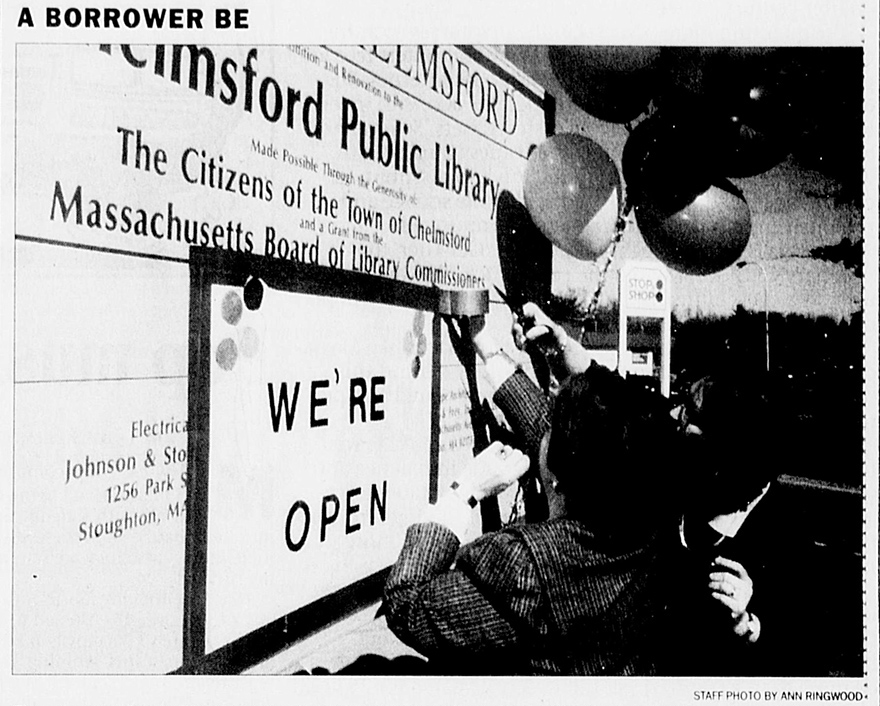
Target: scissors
x=515 y=308
x=517 y=311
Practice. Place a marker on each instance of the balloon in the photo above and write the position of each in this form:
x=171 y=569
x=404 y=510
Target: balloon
x=706 y=236
x=526 y=255
x=831 y=134
x=253 y=294
x=614 y=84
x=572 y=191
x=665 y=162
x=694 y=72
x=753 y=133
x=744 y=98
x=526 y=265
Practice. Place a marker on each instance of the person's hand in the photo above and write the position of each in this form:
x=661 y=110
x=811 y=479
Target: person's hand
x=491 y=471
x=535 y=324
x=481 y=339
x=748 y=627
x=731 y=585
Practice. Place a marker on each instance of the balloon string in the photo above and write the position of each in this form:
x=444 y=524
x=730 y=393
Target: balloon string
x=619 y=228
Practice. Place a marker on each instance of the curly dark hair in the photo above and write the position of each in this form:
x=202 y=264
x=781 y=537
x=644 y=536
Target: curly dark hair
x=610 y=445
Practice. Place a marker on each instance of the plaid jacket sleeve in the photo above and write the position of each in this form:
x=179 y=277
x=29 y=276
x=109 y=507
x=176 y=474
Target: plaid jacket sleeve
x=526 y=409
x=439 y=610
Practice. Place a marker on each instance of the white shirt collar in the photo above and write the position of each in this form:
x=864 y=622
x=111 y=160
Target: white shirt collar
x=729 y=524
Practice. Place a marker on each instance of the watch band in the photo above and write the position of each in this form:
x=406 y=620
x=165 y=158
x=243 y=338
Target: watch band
x=471 y=500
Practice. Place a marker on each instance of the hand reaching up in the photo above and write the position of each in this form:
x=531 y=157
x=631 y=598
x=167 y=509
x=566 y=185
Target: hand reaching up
x=491 y=471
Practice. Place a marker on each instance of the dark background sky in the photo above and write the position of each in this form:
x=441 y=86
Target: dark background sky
x=806 y=212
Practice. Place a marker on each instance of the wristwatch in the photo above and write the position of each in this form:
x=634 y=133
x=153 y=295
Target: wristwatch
x=470 y=500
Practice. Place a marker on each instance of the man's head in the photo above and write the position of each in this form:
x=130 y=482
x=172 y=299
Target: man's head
x=730 y=448
x=609 y=447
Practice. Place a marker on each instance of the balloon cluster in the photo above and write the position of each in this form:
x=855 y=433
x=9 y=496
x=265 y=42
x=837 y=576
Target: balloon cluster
x=711 y=114
x=693 y=220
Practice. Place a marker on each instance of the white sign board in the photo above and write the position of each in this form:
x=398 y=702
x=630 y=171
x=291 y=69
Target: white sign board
x=319 y=450
x=644 y=289
x=381 y=161
x=644 y=292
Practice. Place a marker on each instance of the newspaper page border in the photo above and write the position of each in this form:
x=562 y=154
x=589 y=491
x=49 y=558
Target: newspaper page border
x=786 y=22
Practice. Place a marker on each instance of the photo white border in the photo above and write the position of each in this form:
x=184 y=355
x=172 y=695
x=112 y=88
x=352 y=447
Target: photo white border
x=499 y=22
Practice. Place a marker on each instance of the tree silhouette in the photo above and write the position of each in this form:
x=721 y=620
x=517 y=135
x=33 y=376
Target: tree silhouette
x=847 y=252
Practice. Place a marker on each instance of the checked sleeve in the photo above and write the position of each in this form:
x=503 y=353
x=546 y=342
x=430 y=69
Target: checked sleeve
x=526 y=409
x=476 y=608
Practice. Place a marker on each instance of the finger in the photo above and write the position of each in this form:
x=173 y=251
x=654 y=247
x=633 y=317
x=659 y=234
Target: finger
x=720 y=576
x=531 y=310
x=504 y=451
x=510 y=470
x=519 y=336
x=494 y=447
x=738 y=584
x=518 y=464
x=509 y=460
x=491 y=451
x=734 y=566
x=537 y=332
x=721 y=587
x=729 y=587
x=729 y=601
x=507 y=453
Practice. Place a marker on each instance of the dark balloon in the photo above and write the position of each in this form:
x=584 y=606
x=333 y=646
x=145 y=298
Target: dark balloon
x=666 y=163
x=830 y=108
x=754 y=129
x=743 y=97
x=526 y=265
x=706 y=236
x=695 y=72
x=526 y=255
x=253 y=294
x=613 y=83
